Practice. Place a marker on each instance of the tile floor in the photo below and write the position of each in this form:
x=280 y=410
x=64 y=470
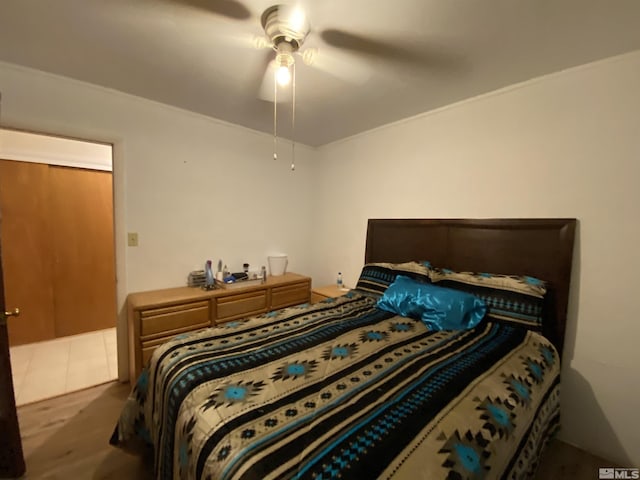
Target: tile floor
x=47 y=369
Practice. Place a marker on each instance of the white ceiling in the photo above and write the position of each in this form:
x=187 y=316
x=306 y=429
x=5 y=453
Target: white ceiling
x=422 y=54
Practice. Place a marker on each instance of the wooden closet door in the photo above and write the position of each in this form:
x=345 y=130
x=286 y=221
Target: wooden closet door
x=11 y=455
x=27 y=252
x=81 y=219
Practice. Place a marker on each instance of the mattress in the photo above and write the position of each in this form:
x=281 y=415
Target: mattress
x=341 y=389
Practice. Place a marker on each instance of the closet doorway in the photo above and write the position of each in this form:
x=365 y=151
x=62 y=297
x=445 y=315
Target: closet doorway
x=59 y=265
x=59 y=260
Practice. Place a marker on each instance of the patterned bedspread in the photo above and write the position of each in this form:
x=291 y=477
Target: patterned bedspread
x=341 y=389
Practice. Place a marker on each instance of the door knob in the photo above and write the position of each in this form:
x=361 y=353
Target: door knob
x=5 y=315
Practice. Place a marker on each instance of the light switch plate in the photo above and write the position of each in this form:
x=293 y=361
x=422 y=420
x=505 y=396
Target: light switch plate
x=132 y=239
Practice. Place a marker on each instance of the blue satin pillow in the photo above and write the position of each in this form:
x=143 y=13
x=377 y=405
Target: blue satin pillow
x=439 y=308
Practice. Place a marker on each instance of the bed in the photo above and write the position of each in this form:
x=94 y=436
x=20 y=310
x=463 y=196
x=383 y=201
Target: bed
x=345 y=389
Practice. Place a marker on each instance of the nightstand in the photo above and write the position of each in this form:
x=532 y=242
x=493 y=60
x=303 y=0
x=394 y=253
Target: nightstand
x=319 y=294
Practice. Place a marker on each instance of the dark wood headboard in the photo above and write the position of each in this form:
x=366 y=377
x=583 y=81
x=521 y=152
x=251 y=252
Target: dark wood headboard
x=540 y=247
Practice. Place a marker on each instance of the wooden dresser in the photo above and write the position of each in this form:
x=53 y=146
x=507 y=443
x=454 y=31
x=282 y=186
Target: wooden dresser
x=157 y=315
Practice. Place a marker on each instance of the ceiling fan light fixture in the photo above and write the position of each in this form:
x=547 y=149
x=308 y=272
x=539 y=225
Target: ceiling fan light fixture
x=284 y=60
x=283 y=75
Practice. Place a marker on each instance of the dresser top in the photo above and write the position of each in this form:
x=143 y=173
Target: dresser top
x=169 y=296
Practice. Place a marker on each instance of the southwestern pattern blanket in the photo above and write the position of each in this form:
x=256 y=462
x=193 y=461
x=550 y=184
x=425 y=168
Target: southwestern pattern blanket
x=341 y=389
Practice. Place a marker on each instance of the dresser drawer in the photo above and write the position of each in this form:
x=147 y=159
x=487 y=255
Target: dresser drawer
x=241 y=305
x=146 y=353
x=173 y=320
x=149 y=346
x=290 y=295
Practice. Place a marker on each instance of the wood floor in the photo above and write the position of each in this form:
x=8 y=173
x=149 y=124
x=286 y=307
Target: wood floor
x=67 y=438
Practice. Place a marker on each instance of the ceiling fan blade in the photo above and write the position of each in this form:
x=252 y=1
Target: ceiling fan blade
x=226 y=8
x=338 y=64
x=393 y=50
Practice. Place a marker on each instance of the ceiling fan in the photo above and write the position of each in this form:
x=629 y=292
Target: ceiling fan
x=286 y=27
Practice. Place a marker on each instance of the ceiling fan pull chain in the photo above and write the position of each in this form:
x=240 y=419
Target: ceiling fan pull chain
x=275 y=118
x=293 y=117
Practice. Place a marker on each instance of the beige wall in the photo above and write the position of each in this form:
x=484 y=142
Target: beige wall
x=567 y=145
x=194 y=188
